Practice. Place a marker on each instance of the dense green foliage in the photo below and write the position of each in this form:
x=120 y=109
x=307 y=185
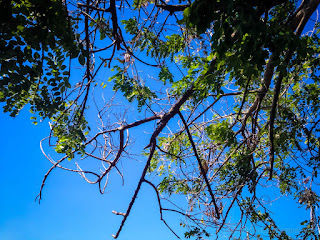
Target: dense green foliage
x=36 y=39
x=233 y=86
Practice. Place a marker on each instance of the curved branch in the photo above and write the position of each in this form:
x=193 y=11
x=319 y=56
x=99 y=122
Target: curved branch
x=160 y=206
x=115 y=161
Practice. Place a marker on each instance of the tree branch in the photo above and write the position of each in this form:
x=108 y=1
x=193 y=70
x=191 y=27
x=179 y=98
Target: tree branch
x=160 y=206
x=171 y=8
x=171 y=113
x=298 y=24
x=126 y=214
x=200 y=166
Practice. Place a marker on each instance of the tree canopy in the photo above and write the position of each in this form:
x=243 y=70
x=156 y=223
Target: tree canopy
x=228 y=92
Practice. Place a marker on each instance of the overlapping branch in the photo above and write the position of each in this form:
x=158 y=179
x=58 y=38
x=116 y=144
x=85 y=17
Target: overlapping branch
x=247 y=138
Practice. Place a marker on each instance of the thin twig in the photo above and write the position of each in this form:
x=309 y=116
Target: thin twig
x=160 y=206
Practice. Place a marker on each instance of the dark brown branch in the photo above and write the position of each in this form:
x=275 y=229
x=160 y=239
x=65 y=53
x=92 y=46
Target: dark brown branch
x=200 y=166
x=171 y=113
x=229 y=208
x=104 y=48
x=262 y=91
x=272 y=118
x=115 y=25
x=146 y=167
x=133 y=55
x=298 y=25
x=171 y=8
x=160 y=206
x=46 y=176
x=162 y=27
x=57 y=164
x=88 y=74
x=243 y=100
x=290 y=18
x=303 y=15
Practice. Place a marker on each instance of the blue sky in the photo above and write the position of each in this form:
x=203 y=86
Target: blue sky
x=71 y=208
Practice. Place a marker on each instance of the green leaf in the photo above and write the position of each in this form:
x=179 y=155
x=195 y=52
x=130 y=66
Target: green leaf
x=81 y=59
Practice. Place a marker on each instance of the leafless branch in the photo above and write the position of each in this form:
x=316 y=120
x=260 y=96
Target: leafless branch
x=204 y=175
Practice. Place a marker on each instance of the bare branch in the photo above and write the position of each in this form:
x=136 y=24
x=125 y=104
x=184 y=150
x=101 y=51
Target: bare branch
x=160 y=206
x=204 y=175
x=142 y=178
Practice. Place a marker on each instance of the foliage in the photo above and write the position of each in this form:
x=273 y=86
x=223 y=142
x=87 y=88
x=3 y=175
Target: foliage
x=35 y=40
x=233 y=87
